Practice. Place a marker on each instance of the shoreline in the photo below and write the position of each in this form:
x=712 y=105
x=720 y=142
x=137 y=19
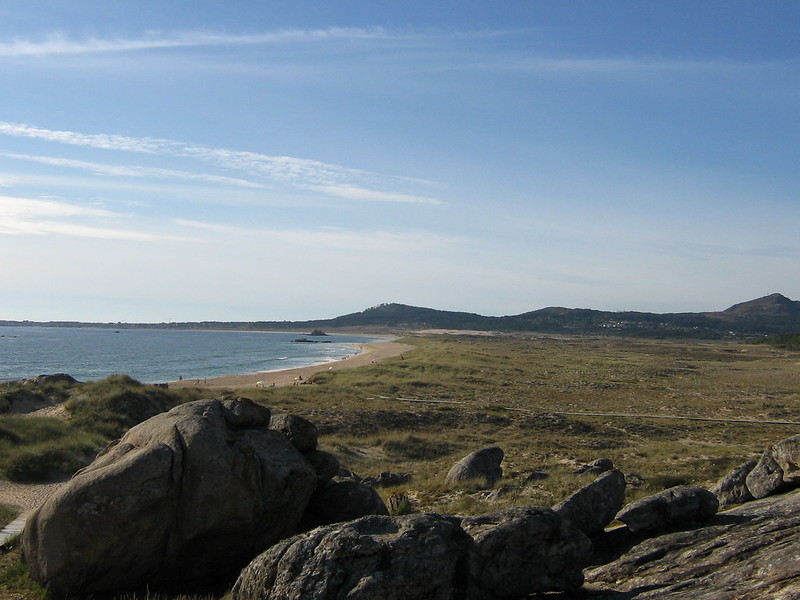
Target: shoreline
x=369 y=352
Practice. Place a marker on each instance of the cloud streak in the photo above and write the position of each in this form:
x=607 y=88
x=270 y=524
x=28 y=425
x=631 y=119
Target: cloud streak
x=332 y=180
x=59 y=43
x=27 y=216
x=336 y=238
x=130 y=170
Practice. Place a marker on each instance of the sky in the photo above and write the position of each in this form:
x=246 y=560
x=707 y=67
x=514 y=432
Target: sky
x=261 y=160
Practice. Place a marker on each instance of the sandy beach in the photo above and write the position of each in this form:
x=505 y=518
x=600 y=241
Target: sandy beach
x=369 y=353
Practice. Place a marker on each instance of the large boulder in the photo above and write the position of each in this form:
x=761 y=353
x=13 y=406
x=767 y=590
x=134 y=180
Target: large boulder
x=766 y=478
x=301 y=432
x=732 y=489
x=525 y=550
x=787 y=454
x=325 y=465
x=676 y=507
x=344 y=501
x=184 y=498
x=373 y=558
x=481 y=465
x=593 y=507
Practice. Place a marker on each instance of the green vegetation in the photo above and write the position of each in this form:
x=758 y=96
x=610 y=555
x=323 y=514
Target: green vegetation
x=113 y=405
x=7 y=514
x=49 y=448
x=790 y=341
x=15 y=583
x=44 y=449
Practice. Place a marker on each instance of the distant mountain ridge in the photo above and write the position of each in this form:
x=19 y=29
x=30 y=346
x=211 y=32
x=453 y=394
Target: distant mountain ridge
x=774 y=314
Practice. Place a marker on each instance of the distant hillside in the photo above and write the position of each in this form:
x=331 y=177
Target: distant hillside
x=771 y=315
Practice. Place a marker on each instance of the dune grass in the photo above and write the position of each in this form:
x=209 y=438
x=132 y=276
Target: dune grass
x=42 y=449
x=7 y=514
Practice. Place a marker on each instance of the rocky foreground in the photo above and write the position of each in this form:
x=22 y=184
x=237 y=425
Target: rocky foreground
x=215 y=491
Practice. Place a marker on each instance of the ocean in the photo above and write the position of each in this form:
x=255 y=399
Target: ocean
x=161 y=355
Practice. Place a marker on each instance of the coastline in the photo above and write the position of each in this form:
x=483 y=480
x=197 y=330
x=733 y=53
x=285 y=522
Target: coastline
x=369 y=353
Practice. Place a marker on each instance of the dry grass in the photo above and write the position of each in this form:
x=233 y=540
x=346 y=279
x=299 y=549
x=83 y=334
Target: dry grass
x=532 y=396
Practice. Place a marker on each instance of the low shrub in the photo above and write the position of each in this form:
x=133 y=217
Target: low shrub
x=7 y=514
x=44 y=449
x=412 y=447
x=113 y=405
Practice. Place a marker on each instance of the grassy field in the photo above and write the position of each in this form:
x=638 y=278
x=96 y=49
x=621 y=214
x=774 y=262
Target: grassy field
x=668 y=412
x=552 y=404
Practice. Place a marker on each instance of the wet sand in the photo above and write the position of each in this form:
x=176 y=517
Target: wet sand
x=369 y=353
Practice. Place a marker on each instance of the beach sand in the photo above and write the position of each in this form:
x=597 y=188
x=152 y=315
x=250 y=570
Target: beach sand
x=369 y=353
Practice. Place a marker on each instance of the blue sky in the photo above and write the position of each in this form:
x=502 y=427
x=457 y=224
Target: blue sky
x=192 y=160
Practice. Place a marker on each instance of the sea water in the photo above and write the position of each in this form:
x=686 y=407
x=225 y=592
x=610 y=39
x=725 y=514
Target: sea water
x=160 y=355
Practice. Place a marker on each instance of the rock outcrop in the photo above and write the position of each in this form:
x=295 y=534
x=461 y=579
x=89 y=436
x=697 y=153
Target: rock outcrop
x=594 y=506
x=481 y=465
x=524 y=550
x=746 y=553
x=343 y=501
x=183 y=497
x=676 y=507
x=504 y=555
x=766 y=478
x=732 y=489
x=374 y=558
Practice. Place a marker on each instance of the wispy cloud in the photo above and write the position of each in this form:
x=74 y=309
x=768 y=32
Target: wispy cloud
x=352 y=192
x=332 y=180
x=28 y=216
x=379 y=241
x=130 y=170
x=59 y=43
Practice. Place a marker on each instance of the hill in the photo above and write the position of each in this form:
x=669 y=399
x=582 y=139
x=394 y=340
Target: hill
x=771 y=315
x=774 y=314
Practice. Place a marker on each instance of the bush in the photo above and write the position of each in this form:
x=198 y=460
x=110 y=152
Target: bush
x=44 y=449
x=412 y=447
x=7 y=514
x=113 y=405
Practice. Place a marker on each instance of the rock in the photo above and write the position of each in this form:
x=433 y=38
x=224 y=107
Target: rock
x=677 y=506
x=766 y=478
x=787 y=454
x=525 y=550
x=746 y=553
x=373 y=558
x=601 y=465
x=387 y=479
x=496 y=494
x=325 y=465
x=534 y=477
x=301 y=432
x=732 y=489
x=344 y=501
x=481 y=464
x=184 y=498
x=593 y=507
x=634 y=481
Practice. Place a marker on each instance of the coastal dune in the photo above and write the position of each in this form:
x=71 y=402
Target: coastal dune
x=369 y=353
